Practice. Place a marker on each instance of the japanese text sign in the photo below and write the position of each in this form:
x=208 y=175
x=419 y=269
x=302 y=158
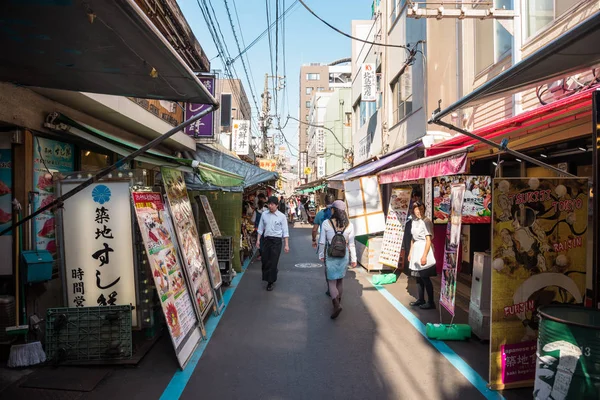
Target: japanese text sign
x=204 y=127
x=369 y=83
x=241 y=137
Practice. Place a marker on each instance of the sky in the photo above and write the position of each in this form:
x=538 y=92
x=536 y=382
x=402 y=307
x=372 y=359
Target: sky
x=307 y=40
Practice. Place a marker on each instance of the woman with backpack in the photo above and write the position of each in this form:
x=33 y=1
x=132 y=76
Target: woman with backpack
x=338 y=250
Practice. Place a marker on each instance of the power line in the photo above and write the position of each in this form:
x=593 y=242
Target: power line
x=270 y=41
x=237 y=16
x=275 y=95
x=320 y=126
x=350 y=36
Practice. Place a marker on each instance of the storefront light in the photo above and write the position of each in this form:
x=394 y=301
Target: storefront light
x=543 y=155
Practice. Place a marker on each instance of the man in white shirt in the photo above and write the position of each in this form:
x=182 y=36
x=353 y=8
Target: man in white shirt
x=271 y=229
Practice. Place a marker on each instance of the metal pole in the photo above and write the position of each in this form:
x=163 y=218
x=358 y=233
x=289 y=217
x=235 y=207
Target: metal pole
x=503 y=148
x=59 y=201
x=595 y=199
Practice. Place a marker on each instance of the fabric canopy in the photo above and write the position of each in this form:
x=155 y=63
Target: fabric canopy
x=574 y=51
x=251 y=174
x=450 y=163
x=371 y=168
x=208 y=173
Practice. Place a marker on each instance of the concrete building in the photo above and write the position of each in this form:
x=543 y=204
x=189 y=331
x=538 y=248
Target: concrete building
x=315 y=148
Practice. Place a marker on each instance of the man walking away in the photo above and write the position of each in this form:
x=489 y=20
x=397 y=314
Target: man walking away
x=281 y=207
x=321 y=216
x=271 y=229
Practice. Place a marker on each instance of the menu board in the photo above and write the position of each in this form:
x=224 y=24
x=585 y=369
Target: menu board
x=214 y=227
x=211 y=259
x=189 y=241
x=175 y=299
x=394 y=227
x=477 y=199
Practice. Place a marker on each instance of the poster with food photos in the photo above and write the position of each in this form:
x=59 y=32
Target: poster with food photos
x=189 y=241
x=394 y=226
x=477 y=198
x=166 y=271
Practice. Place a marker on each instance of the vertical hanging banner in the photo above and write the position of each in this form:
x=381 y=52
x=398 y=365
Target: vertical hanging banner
x=204 y=127
x=369 y=83
x=49 y=156
x=241 y=137
x=451 y=249
x=98 y=246
x=211 y=260
x=212 y=222
x=394 y=227
x=6 y=241
x=539 y=257
x=168 y=277
x=189 y=241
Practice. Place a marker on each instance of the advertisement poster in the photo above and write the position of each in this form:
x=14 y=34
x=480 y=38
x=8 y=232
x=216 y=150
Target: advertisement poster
x=6 y=208
x=166 y=271
x=538 y=257
x=214 y=227
x=452 y=248
x=364 y=205
x=189 y=241
x=394 y=227
x=97 y=240
x=477 y=203
x=211 y=259
x=49 y=156
x=203 y=128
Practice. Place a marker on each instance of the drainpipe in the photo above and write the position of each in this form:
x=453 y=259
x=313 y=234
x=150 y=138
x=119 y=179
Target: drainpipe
x=384 y=86
x=516 y=55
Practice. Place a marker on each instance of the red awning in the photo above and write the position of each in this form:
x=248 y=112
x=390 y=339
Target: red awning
x=560 y=111
x=450 y=163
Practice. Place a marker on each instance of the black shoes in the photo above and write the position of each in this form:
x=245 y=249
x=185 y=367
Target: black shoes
x=427 y=306
x=417 y=303
x=269 y=287
x=337 y=308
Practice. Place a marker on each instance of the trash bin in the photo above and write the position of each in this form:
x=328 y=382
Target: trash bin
x=568 y=353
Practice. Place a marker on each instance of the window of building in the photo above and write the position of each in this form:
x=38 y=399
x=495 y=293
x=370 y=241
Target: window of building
x=538 y=14
x=396 y=7
x=92 y=161
x=309 y=90
x=307 y=117
x=320 y=89
x=367 y=109
x=307 y=104
x=402 y=94
x=313 y=77
x=492 y=40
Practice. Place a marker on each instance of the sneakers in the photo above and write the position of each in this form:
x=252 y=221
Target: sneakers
x=269 y=287
x=417 y=303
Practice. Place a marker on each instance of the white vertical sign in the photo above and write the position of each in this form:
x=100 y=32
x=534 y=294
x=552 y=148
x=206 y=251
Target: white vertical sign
x=241 y=137
x=369 y=83
x=98 y=246
x=320 y=141
x=320 y=167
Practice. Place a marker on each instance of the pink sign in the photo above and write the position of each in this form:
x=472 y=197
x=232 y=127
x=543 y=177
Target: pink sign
x=518 y=361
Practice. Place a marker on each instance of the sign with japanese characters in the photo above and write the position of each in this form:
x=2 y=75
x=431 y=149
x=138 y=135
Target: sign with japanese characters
x=321 y=165
x=211 y=260
x=204 y=127
x=369 y=83
x=241 y=137
x=539 y=257
x=477 y=199
x=189 y=241
x=394 y=227
x=98 y=248
x=6 y=241
x=210 y=216
x=320 y=141
x=157 y=234
x=49 y=156
x=268 y=164
x=451 y=248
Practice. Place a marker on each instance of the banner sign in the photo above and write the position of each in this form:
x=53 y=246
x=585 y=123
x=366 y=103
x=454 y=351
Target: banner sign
x=177 y=306
x=204 y=127
x=212 y=222
x=539 y=257
x=477 y=199
x=394 y=227
x=241 y=137
x=6 y=241
x=98 y=246
x=211 y=260
x=268 y=164
x=321 y=166
x=452 y=248
x=189 y=241
x=369 y=83
x=54 y=157
x=364 y=205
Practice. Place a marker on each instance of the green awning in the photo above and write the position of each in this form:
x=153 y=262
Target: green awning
x=311 y=189
x=208 y=173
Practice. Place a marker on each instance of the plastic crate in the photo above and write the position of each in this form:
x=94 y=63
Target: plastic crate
x=88 y=333
x=224 y=247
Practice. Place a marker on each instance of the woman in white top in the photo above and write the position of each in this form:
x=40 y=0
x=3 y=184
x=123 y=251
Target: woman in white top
x=421 y=258
x=336 y=267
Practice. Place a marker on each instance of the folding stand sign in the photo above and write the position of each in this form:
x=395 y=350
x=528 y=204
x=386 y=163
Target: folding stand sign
x=212 y=263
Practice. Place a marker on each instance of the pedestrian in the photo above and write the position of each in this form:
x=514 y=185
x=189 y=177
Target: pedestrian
x=321 y=216
x=272 y=229
x=281 y=206
x=407 y=239
x=421 y=258
x=337 y=249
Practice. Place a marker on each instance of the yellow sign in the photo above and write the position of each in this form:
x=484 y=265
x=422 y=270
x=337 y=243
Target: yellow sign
x=538 y=257
x=268 y=164
x=307 y=171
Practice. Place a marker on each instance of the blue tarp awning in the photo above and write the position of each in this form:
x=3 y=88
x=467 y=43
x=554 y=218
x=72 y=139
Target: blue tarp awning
x=252 y=174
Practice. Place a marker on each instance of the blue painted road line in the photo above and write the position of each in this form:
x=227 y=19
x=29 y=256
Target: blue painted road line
x=469 y=373
x=179 y=381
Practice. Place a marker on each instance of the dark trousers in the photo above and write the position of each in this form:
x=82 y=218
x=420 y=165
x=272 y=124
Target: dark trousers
x=425 y=285
x=270 y=252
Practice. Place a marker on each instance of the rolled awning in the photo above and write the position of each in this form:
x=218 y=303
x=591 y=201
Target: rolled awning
x=450 y=163
x=574 y=51
x=96 y=46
